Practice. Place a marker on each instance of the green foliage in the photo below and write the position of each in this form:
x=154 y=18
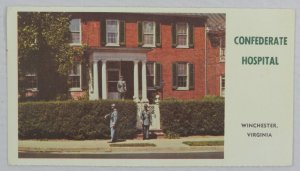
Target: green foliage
x=192 y=117
x=213 y=98
x=43 y=48
x=74 y=119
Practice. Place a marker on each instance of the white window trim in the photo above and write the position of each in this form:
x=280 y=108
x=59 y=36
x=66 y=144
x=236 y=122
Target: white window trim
x=154 y=35
x=222 y=54
x=34 y=89
x=187 y=36
x=222 y=57
x=187 y=79
x=80 y=79
x=80 y=35
x=222 y=93
x=118 y=37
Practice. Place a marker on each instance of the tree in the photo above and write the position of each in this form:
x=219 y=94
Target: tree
x=43 y=48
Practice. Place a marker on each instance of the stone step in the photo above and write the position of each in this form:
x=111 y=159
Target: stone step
x=154 y=134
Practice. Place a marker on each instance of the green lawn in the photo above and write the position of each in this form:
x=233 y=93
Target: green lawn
x=133 y=145
x=204 y=143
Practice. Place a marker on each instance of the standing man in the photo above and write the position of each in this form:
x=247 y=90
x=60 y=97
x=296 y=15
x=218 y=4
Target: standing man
x=146 y=121
x=113 y=121
x=121 y=87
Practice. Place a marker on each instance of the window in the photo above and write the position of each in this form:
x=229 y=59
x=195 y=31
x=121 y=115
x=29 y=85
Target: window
x=31 y=81
x=222 y=50
x=222 y=85
x=153 y=73
x=75 y=29
x=148 y=34
x=75 y=77
x=183 y=76
x=182 y=35
x=112 y=32
x=150 y=75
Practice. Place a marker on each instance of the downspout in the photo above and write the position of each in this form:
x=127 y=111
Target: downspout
x=205 y=59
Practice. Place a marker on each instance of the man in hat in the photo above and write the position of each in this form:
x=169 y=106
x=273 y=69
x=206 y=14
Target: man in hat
x=146 y=121
x=113 y=121
x=121 y=87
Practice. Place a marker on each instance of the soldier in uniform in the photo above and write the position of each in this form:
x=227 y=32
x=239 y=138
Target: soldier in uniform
x=121 y=87
x=113 y=121
x=146 y=121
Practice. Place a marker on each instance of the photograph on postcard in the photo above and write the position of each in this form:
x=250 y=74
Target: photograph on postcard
x=121 y=85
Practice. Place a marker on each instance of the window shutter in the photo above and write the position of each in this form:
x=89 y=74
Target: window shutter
x=157 y=35
x=158 y=75
x=174 y=76
x=140 y=33
x=191 y=77
x=84 y=75
x=103 y=32
x=122 y=33
x=191 y=35
x=174 y=37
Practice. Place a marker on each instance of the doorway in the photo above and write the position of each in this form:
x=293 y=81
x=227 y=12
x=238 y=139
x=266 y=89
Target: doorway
x=114 y=70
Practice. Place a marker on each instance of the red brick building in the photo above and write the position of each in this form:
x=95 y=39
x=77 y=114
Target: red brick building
x=177 y=56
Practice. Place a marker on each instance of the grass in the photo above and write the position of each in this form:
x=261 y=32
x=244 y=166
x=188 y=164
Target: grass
x=204 y=143
x=133 y=145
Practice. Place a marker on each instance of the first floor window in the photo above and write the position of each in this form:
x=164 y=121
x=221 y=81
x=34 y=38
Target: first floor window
x=183 y=76
x=31 y=81
x=150 y=74
x=153 y=74
x=222 y=85
x=75 y=76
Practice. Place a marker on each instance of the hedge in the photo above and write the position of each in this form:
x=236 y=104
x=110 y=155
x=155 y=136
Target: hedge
x=197 y=117
x=74 y=119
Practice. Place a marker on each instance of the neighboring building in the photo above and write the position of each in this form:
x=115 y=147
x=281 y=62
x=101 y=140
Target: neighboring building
x=177 y=56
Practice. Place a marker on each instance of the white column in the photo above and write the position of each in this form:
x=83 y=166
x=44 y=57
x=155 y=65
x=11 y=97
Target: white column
x=95 y=82
x=144 y=82
x=104 y=80
x=91 y=82
x=136 y=81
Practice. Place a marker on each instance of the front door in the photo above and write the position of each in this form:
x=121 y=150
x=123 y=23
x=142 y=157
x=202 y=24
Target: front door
x=113 y=75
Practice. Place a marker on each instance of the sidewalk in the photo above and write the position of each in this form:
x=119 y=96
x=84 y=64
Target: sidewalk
x=101 y=146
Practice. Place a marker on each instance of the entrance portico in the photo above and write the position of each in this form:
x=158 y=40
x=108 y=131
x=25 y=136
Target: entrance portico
x=101 y=59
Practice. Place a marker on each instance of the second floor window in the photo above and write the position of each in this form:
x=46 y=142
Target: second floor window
x=149 y=33
x=112 y=32
x=182 y=35
x=75 y=76
x=75 y=29
x=222 y=49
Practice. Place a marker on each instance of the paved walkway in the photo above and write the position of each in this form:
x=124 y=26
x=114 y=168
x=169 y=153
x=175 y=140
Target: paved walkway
x=101 y=146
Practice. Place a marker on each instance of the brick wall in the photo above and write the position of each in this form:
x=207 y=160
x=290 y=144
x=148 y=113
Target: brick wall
x=166 y=55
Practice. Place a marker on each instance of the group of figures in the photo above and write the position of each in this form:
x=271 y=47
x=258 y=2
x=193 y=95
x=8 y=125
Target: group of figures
x=145 y=119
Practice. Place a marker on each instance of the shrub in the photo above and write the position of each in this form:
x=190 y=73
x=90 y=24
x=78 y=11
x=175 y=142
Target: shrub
x=197 y=117
x=74 y=119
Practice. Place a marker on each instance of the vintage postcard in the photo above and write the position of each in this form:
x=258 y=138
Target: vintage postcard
x=167 y=86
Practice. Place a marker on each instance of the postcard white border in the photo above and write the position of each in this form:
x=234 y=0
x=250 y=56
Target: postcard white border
x=12 y=95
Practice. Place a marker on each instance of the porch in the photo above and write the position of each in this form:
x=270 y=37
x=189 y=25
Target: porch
x=108 y=64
